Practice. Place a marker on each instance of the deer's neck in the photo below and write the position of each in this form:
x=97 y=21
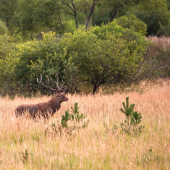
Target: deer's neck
x=54 y=104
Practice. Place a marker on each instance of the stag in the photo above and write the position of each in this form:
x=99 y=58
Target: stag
x=47 y=109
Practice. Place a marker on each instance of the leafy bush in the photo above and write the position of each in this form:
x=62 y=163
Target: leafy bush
x=133 y=23
x=154 y=13
x=34 y=58
x=7 y=81
x=85 y=61
x=3 y=28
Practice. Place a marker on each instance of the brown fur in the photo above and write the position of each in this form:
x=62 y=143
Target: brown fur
x=42 y=109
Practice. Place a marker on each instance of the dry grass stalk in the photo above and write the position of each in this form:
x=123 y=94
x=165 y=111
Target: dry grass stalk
x=161 y=42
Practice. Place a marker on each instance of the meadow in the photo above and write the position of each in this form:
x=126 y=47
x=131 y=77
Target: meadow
x=29 y=144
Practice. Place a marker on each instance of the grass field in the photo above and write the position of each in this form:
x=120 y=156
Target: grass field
x=26 y=144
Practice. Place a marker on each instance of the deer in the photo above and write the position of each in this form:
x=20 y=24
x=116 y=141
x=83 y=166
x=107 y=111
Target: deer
x=46 y=109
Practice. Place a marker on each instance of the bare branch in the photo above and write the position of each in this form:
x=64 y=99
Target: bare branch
x=73 y=9
x=70 y=7
x=70 y=14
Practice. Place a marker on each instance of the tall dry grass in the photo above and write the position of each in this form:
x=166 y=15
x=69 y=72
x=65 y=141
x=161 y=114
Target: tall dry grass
x=161 y=42
x=24 y=143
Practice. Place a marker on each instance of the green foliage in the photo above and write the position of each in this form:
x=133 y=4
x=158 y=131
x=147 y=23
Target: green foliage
x=85 y=61
x=106 y=54
x=3 y=28
x=36 y=16
x=65 y=118
x=75 y=117
x=7 y=45
x=133 y=118
x=8 y=10
x=154 y=13
x=70 y=26
x=133 y=23
x=34 y=58
x=127 y=109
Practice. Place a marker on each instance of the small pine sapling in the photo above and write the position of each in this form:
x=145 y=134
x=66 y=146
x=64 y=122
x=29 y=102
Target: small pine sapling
x=65 y=118
x=133 y=119
x=76 y=117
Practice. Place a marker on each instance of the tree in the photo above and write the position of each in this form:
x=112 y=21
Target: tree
x=133 y=23
x=80 y=10
x=104 y=55
x=154 y=13
x=7 y=13
x=35 y=16
x=90 y=13
x=109 y=10
x=73 y=11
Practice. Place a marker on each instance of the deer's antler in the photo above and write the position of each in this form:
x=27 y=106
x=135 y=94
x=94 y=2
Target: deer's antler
x=58 y=89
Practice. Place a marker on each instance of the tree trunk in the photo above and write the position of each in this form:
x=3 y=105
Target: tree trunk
x=90 y=14
x=61 y=22
x=75 y=13
x=73 y=9
x=76 y=21
x=85 y=8
x=113 y=14
x=94 y=88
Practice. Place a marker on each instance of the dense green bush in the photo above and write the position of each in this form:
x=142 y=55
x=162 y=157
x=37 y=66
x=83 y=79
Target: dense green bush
x=34 y=58
x=84 y=60
x=3 y=28
x=133 y=23
x=104 y=55
x=153 y=13
x=7 y=45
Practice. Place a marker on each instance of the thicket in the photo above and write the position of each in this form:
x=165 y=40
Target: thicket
x=85 y=60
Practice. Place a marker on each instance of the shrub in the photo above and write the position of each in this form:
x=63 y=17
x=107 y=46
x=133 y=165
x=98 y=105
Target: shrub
x=102 y=56
x=153 y=13
x=133 y=23
x=3 y=28
x=75 y=117
x=133 y=118
x=34 y=58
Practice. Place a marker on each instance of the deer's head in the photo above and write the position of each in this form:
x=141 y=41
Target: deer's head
x=61 y=96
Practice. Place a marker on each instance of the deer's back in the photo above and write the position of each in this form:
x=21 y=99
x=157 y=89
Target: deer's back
x=31 y=109
x=43 y=108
